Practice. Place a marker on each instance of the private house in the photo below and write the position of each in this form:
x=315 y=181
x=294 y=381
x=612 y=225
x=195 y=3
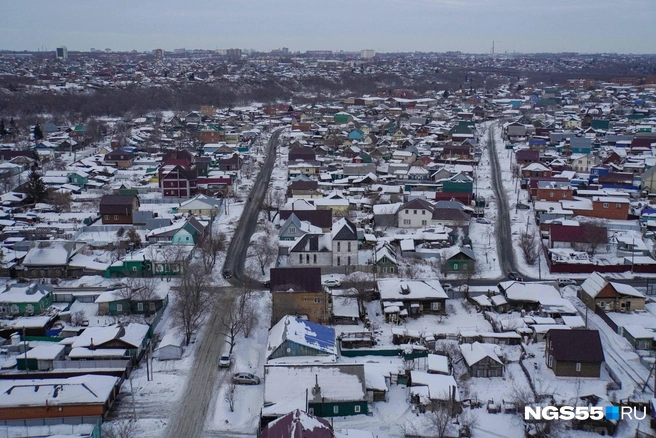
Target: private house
x=178 y=175
x=118 y=209
x=74 y=398
x=433 y=391
x=155 y=260
x=402 y=298
x=553 y=191
x=201 y=205
x=460 y=260
x=525 y=157
x=385 y=259
x=602 y=207
x=136 y=302
x=41 y=358
x=298 y=424
x=327 y=390
x=298 y=291
x=641 y=338
x=119 y=158
x=344 y=243
x=294 y=228
x=417 y=213
x=231 y=163
x=292 y=337
x=304 y=189
x=318 y=218
x=574 y=353
x=301 y=153
x=311 y=249
x=536 y=170
x=578 y=236
x=130 y=338
x=51 y=259
x=481 y=360
x=610 y=296
x=188 y=232
x=25 y=299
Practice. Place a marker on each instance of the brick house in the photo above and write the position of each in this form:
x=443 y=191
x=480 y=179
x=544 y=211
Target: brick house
x=119 y=158
x=574 y=353
x=118 y=209
x=536 y=169
x=553 y=191
x=525 y=157
x=298 y=291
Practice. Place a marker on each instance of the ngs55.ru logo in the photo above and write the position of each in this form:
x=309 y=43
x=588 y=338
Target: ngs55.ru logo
x=584 y=413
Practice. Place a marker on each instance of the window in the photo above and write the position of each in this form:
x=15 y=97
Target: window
x=578 y=367
x=115 y=217
x=119 y=307
x=455 y=266
x=187 y=238
x=314 y=259
x=305 y=299
x=151 y=307
x=348 y=261
x=140 y=307
x=317 y=300
x=423 y=212
x=335 y=409
x=414 y=212
x=339 y=261
x=618 y=205
x=436 y=306
x=550 y=362
x=14 y=309
x=106 y=217
x=564 y=195
x=339 y=246
x=307 y=258
x=423 y=223
x=605 y=204
x=551 y=194
x=134 y=269
x=464 y=266
x=407 y=211
x=29 y=309
x=292 y=229
x=406 y=222
x=300 y=259
x=602 y=304
x=356 y=409
x=348 y=246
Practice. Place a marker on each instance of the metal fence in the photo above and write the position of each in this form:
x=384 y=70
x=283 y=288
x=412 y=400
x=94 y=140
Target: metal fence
x=85 y=364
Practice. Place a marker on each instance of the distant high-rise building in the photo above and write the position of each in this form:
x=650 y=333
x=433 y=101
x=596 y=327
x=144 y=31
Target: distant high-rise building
x=62 y=52
x=233 y=53
x=367 y=54
x=159 y=53
x=285 y=51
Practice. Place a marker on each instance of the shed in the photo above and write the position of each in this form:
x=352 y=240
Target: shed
x=171 y=347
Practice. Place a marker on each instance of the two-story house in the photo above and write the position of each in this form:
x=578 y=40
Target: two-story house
x=345 y=243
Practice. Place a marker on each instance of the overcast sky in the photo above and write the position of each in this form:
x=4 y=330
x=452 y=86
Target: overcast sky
x=626 y=26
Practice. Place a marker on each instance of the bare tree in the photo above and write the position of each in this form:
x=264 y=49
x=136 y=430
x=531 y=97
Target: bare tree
x=264 y=251
x=193 y=299
x=78 y=318
x=61 y=200
x=440 y=419
x=248 y=311
x=138 y=289
x=230 y=396
x=273 y=201
x=530 y=247
x=133 y=238
x=231 y=321
x=211 y=245
x=7 y=182
x=119 y=429
x=594 y=234
x=361 y=283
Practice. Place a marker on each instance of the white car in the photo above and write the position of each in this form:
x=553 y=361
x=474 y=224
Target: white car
x=566 y=282
x=225 y=360
x=331 y=282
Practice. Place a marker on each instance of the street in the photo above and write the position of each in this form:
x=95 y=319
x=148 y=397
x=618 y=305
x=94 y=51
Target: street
x=189 y=418
x=504 y=233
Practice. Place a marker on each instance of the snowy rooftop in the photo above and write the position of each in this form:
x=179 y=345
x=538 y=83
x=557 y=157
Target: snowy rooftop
x=80 y=390
x=302 y=332
x=439 y=385
x=474 y=353
x=393 y=289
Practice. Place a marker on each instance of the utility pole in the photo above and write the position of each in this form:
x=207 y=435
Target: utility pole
x=27 y=369
x=134 y=409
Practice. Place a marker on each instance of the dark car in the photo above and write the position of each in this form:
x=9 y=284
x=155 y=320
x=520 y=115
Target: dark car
x=523 y=206
x=515 y=276
x=227 y=273
x=266 y=284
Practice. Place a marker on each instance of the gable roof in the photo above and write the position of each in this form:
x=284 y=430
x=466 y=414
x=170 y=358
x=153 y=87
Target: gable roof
x=344 y=229
x=576 y=345
x=301 y=332
x=298 y=424
x=117 y=204
x=474 y=353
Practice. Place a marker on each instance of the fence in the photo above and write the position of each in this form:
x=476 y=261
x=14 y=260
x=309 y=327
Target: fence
x=88 y=364
x=617 y=383
x=83 y=426
x=599 y=311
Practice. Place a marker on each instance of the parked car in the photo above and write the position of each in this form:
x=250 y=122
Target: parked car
x=266 y=284
x=522 y=206
x=566 y=282
x=482 y=220
x=245 y=379
x=515 y=276
x=225 y=360
x=448 y=287
x=331 y=282
x=227 y=273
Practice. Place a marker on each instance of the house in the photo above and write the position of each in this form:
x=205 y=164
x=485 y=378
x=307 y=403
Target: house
x=73 y=398
x=118 y=209
x=298 y=291
x=459 y=260
x=136 y=302
x=50 y=259
x=641 y=338
x=311 y=249
x=298 y=424
x=318 y=218
x=610 y=296
x=574 y=353
x=385 y=259
x=334 y=390
x=344 y=243
x=119 y=158
x=524 y=157
x=178 y=175
x=301 y=153
x=131 y=337
x=481 y=360
x=201 y=205
x=293 y=228
x=187 y=232
x=412 y=298
x=292 y=337
x=155 y=260
x=232 y=163
x=25 y=299
x=553 y=191
x=304 y=189
x=415 y=214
